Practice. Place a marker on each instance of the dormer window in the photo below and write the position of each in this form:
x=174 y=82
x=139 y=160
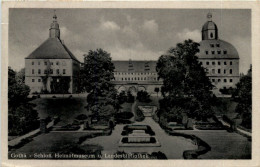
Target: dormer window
x=225 y=52
x=218 y=45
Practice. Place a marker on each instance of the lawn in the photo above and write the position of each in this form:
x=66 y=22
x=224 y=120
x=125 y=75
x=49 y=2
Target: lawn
x=224 y=145
x=56 y=142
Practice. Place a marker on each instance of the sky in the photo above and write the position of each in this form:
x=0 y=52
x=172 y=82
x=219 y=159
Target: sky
x=137 y=34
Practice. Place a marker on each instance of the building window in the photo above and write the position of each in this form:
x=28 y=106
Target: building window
x=141 y=78
x=225 y=80
x=32 y=62
x=219 y=52
x=213 y=63
x=219 y=80
x=51 y=63
x=32 y=71
x=122 y=79
x=218 y=45
x=212 y=45
x=39 y=71
x=219 y=71
x=224 y=71
x=138 y=78
x=64 y=71
x=119 y=73
x=213 y=52
x=45 y=63
x=231 y=63
x=58 y=71
x=32 y=80
x=39 y=80
x=225 y=52
x=225 y=63
x=213 y=71
x=230 y=71
x=128 y=79
x=207 y=52
x=207 y=63
x=219 y=63
x=57 y=63
x=213 y=80
x=144 y=78
x=231 y=80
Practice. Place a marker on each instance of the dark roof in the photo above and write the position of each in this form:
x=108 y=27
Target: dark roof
x=52 y=48
x=209 y=25
x=135 y=66
x=217 y=45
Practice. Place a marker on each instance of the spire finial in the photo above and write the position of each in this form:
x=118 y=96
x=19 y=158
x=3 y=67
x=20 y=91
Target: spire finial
x=54 y=15
x=209 y=16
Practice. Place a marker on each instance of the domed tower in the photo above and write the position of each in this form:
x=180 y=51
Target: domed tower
x=54 y=28
x=219 y=58
x=209 y=29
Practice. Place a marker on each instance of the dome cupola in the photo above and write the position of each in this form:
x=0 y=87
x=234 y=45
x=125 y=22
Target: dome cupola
x=209 y=29
x=54 y=28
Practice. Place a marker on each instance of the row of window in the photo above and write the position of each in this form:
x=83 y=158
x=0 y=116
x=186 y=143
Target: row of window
x=50 y=63
x=212 y=45
x=50 y=71
x=216 y=52
x=39 y=80
x=136 y=79
x=131 y=73
x=219 y=80
x=219 y=63
x=219 y=71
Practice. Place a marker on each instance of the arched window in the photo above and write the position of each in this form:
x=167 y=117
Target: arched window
x=211 y=35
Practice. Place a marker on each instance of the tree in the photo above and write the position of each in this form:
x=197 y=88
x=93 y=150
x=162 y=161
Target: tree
x=243 y=94
x=157 y=90
x=185 y=78
x=98 y=73
x=17 y=91
x=143 y=96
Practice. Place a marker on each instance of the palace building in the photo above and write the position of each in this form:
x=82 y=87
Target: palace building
x=136 y=75
x=219 y=57
x=51 y=65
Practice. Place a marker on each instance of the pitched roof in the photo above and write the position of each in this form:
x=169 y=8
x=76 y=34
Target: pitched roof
x=135 y=66
x=52 y=48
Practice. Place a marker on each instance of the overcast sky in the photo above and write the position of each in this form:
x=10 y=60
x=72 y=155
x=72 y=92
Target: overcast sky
x=137 y=34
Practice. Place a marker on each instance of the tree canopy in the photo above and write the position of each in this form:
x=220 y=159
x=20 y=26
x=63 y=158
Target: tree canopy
x=97 y=75
x=243 y=94
x=185 y=78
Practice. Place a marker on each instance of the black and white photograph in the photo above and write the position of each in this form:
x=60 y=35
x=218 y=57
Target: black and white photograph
x=129 y=84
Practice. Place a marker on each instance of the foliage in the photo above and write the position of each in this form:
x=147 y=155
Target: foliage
x=17 y=90
x=185 y=81
x=143 y=96
x=124 y=115
x=22 y=119
x=130 y=97
x=139 y=116
x=122 y=98
x=97 y=74
x=60 y=84
x=243 y=94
